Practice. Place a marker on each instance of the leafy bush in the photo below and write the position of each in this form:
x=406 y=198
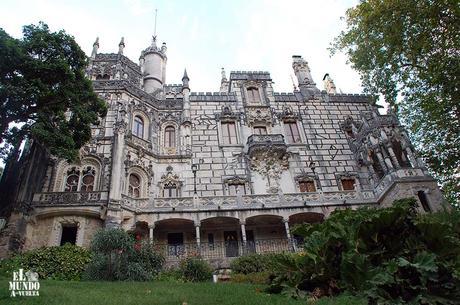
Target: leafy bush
x=253 y=263
x=261 y=278
x=195 y=270
x=390 y=256
x=170 y=275
x=117 y=256
x=67 y=262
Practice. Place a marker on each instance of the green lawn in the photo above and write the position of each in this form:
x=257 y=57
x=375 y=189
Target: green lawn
x=153 y=293
x=138 y=293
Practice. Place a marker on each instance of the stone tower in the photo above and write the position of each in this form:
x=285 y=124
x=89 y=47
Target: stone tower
x=153 y=66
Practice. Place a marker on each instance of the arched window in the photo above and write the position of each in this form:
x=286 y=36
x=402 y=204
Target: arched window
x=134 y=189
x=170 y=136
x=72 y=180
x=80 y=180
x=87 y=180
x=253 y=95
x=138 y=127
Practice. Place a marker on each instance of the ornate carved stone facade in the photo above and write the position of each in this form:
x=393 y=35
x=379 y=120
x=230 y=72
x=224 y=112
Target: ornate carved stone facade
x=241 y=164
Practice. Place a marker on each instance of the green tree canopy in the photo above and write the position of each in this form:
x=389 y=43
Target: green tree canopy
x=408 y=51
x=44 y=93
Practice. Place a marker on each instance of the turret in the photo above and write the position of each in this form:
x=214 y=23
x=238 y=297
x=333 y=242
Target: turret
x=186 y=94
x=223 y=82
x=153 y=66
x=95 y=48
x=121 y=46
x=329 y=85
x=306 y=84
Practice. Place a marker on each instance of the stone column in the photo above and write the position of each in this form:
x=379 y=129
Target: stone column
x=381 y=161
x=198 y=237
x=288 y=234
x=119 y=130
x=393 y=157
x=243 y=237
x=243 y=231
x=412 y=159
x=286 y=227
x=151 y=227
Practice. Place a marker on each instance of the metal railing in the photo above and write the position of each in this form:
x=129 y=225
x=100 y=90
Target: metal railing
x=222 y=250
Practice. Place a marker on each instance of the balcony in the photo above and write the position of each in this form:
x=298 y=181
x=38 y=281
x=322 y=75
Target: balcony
x=70 y=198
x=270 y=142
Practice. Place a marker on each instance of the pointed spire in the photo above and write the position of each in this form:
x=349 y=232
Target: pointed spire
x=185 y=80
x=95 y=48
x=185 y=75
x=121 y=46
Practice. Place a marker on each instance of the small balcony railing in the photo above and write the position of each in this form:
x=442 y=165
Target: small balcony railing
x=70 y=198
x=222 y=250
x=256 y=143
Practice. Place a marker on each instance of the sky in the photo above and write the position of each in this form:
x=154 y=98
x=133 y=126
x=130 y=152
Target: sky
x=204 y=36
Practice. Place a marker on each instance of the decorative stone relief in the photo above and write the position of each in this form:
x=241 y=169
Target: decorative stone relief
x=270 y=163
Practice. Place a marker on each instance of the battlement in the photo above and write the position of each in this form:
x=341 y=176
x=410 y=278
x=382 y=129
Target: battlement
x=250 y=75
x=212 y=96
x=348 y=98
x=285 y=97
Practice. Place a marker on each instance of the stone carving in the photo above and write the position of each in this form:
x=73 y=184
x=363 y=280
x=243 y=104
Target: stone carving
x=258 y=115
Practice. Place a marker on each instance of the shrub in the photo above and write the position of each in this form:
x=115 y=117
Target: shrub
x=260 y=278
x=117 y=256
x=67 y=262
x=389 y=255
x=195 y=270
x=170 y=275
x=253 y=263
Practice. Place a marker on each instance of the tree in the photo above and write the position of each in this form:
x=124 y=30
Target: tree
x=44 y=94
x=408 y=51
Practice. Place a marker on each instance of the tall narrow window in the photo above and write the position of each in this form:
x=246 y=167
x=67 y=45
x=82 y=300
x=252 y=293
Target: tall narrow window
x=134 y=189
x=292 y=132
x=229 y=133
x=348 y=184
x=253 y=95
x=87 y=181
x=307 y=186
x=138 y=127
x=260 y=130
x=72 y=180
x=170 y=136
x=424 y=201
x=170 y=190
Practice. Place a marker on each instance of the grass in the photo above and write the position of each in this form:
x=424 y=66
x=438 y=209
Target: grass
x=139 y=293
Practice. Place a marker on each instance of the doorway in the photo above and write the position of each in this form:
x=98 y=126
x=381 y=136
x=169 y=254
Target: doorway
x=231 y=243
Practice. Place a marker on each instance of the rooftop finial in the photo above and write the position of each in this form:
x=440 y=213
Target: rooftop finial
x=155 y=26
x=121 y=46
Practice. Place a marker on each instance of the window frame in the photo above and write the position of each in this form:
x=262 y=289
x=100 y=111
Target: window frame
x=253 y=95
x=133 y=188
x=136 y=131
x=170 y=137
x=289 y=134
x=232 y=139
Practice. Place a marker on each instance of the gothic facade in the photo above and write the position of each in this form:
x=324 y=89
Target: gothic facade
x=235 y=167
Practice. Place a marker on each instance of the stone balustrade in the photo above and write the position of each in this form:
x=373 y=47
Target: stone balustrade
x=70 y=198
x=231 y=202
